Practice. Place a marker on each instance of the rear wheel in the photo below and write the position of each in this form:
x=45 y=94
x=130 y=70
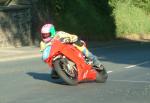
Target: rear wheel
x=101 y=75
x=65 y=71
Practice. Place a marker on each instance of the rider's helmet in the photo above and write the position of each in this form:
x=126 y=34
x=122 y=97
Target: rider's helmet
x=47 y=32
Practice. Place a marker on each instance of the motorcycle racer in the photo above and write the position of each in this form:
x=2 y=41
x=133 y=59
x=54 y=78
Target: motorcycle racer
x=48 y=33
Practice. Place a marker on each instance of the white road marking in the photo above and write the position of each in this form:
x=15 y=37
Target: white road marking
x=131 y=66
x=20 y=57
x=109 y=71
x=130 y=81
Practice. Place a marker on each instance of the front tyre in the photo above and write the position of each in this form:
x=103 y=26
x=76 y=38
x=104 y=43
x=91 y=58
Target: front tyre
x=69 y=75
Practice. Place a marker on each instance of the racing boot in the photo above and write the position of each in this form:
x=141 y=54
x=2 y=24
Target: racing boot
x=97 y=64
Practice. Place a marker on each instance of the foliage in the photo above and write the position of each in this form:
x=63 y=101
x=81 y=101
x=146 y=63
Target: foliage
x=96 y=19
x=132 y=16
x=87 y=18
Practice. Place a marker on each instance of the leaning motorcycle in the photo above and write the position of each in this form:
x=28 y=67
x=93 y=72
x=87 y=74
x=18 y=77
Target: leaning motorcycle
x=71 y=65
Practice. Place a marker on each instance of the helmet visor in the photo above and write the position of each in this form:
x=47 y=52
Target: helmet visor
x=45 y=35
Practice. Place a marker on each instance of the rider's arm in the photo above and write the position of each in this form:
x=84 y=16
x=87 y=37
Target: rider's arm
x=43 y=45
x=66 y=37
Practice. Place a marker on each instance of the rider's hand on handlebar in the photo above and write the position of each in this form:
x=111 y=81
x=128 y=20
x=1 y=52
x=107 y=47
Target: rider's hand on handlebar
x=65 y=40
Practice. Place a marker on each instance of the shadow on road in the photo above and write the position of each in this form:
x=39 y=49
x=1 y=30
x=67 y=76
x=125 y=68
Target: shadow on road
x=45 y=77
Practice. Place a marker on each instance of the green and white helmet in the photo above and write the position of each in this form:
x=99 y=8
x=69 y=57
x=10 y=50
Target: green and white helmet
x=48 y=32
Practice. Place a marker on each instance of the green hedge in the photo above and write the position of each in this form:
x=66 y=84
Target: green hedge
x=95 y=19
x=131 y=16
x=90 y=19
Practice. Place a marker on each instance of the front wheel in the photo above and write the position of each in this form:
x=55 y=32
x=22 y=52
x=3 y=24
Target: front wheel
x=101 y=75
x=67 y=73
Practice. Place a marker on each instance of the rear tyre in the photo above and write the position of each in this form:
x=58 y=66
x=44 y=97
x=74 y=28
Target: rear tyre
x=63 y=71
x=101 y=76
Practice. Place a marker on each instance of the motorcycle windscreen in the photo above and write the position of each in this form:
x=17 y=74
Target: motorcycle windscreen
x=46 y=53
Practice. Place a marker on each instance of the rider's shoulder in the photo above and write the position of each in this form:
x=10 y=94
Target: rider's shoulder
x=42 y=42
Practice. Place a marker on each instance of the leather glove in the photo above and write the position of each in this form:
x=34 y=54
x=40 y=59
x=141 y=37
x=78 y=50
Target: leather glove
x=65 y=40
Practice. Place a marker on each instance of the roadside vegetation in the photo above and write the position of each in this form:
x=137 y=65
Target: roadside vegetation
x=90 y=19
x=97 y=19
x=132 y=18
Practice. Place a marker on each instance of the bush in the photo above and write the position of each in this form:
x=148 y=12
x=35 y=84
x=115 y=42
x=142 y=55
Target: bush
x=87 y=18
x=130 y=19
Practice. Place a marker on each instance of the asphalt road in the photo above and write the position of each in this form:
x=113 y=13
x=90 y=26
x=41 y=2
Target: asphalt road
x=128 y=64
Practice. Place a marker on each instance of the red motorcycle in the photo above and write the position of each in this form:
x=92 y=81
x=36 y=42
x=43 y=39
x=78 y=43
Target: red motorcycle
x=71 y=65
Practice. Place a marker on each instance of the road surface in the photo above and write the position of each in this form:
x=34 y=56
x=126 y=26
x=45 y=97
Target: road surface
x=128 y=64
